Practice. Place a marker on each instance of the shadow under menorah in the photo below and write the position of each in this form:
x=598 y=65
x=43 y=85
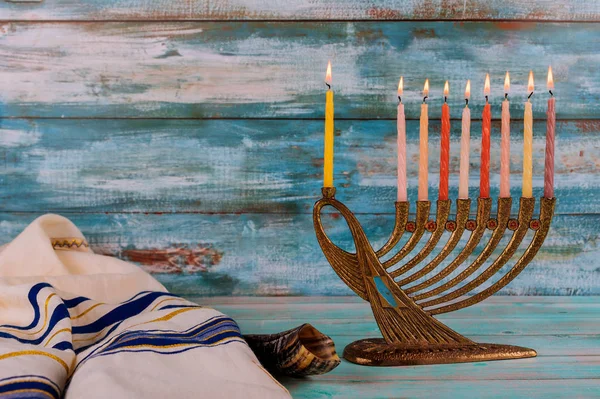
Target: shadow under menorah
x=404 y=314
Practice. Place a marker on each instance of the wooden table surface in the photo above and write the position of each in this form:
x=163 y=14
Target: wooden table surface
x=565 y=331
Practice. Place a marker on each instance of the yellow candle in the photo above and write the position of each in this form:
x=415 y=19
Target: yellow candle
x=528 y=144
x=423 y=146
x=328 y=157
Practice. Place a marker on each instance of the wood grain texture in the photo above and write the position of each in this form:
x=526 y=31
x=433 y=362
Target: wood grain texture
x=568 y=362
x=537 y=10
x=297 y=310
x=277 y=254
x=257 y=166
x=276 y=70
x=483 y=326
x=500 y=389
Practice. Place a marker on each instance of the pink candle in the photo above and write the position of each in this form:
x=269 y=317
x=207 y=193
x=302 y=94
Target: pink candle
x=505 y=143
x=465 y=141
x=401 y=126
x=486 y=125
x=445 y=148
x=550 y=131
x=424 y=146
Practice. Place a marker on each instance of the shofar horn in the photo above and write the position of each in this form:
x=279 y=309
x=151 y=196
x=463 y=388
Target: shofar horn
x=299 y=352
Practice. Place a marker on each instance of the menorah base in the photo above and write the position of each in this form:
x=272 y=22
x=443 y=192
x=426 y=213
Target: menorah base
x=377 y=352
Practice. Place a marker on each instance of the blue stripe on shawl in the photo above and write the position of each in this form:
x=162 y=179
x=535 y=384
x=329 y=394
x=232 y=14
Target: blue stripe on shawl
x=59 y=313
x=197 y=332
x=120 y=313
x=113 y=328
x=71 y=303
x=118 y=323
x=179 y=306
x=41 y=377
x=174 y=352
x=29 y=388
x=32 y=297
x=63 y=345
x=206 y=334
x=209 y=332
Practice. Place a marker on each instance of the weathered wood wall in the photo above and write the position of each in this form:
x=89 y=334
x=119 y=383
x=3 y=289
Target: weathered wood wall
x=186 y=136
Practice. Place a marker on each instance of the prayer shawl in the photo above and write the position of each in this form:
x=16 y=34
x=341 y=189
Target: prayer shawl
x=74 y=324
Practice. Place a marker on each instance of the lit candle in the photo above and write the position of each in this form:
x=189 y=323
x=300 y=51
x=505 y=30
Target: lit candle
x=465 y=141
x=423 y=145
x=445 y=147
x=328 y=156
x=401 y=126
x=505 y=143
x=528 y=143
x=550 y=131
x=486 y=125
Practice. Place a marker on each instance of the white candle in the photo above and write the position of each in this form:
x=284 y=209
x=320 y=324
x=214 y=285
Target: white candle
x=505 y=143
x=465 y=140
x=401 y=126
x=423 y=146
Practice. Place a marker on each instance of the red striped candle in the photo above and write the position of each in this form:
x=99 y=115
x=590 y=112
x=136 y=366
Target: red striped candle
x=550 y=131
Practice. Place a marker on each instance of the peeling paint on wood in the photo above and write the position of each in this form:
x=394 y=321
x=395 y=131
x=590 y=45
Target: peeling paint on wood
x=277 y=254
x=571 y=10
x=255 y=69
x=223 y=206
x=257 y=166
x=176 y=259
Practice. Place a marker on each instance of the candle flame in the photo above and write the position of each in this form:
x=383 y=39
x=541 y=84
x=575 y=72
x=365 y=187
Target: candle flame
x=446 y=89
x=486 y=87
x=401 y=86
x=468 y=90
x=530 y=84
x=550 y=79
x=507 y=83
x=328 y=74
x=426 y=88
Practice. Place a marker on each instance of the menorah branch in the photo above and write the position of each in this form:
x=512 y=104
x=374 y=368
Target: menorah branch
x=410 y=334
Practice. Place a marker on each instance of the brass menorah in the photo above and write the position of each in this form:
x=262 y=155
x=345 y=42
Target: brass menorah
x=404 y=312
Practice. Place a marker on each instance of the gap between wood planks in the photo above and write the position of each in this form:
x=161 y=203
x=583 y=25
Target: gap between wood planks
x=291 y=21
x=242 y=118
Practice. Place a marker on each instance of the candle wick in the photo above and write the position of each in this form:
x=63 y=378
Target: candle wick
x=445 y=99
x=328 y=85
x=424 y=98
x=399 y=99
x=486 y=99
x=466 y=101
x=506 y=96
x=552 y=94
x=529 y=96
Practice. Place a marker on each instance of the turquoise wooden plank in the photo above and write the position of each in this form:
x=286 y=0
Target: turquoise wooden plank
x=277 y=254
x=500 y=389
x=539 y=10
x=567 y=365
x=363 y=311
x=480 y=326
x=540 y=368
x=548 y=346
x=260 y=166
x=257 y=69
x=496 y=300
